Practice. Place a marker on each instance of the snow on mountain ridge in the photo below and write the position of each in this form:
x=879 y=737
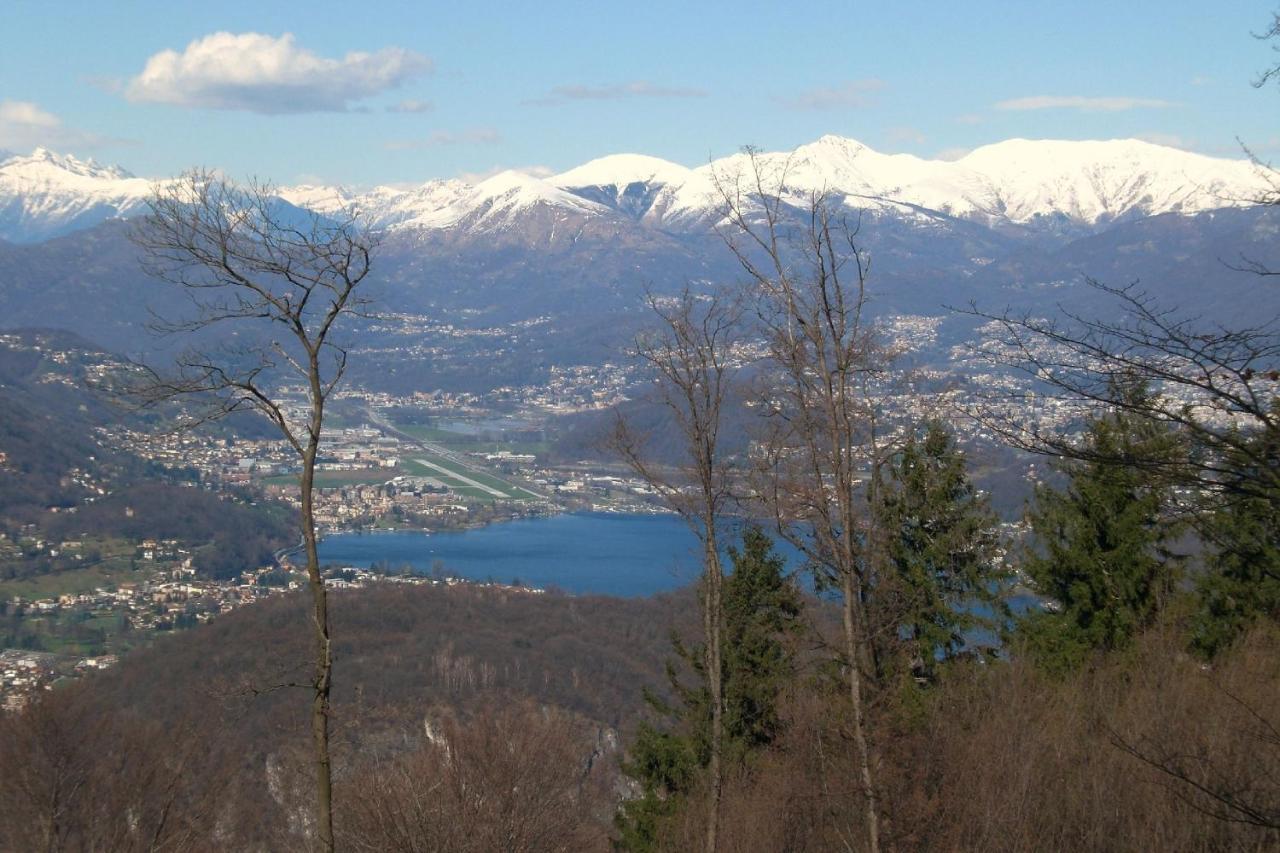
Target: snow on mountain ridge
x=1092 y=181
x=1015 y=182
x=44 y=194
x=382 y=206
x=498 y=201
x=621 y=170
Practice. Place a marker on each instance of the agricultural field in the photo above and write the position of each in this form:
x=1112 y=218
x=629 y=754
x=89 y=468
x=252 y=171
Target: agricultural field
x=466 y=442
x=73 y=581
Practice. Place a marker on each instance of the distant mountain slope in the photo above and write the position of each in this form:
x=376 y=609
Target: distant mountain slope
x=585 y=274
x=1019 y=184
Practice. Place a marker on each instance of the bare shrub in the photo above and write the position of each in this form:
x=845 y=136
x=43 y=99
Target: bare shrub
x=511 y=778
x=1153 y=751
x=74 y=776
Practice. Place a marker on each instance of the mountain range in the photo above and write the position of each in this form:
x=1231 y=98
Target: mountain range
x=560 y=263
x=1016 y=186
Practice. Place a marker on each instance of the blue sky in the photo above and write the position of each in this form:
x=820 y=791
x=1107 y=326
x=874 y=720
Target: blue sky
x=466 y=88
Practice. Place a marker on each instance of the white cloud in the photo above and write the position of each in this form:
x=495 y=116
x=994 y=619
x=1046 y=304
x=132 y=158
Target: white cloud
x=617 y=92
x=854 y=93
x=437 y=138
x=27 y=114
x=24 y=125
x=411 y=105
x=951 y=154
x=263 y=74
x=1082 y=103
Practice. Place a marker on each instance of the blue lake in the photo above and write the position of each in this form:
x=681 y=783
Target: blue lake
x=603 y=553
x=625 y=555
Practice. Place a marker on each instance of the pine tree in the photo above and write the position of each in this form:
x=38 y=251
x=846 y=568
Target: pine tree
x=1241 y=582
x=1099 y=546
x=762 y=609
x=942 y=548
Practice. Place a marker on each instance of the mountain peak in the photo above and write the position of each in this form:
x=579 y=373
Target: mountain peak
x=42 y=156
x=621 y=170
x=841 y=143
x=44 y=194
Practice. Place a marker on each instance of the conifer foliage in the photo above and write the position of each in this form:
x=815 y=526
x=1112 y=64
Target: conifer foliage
x=762 y=611
x=1100 y=546
x=942 y=549
x=1241 y=583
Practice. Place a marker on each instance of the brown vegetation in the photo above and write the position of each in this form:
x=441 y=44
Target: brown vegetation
x=486 y=720
x=1152 y=751
x=207 y=723
x=518 y=778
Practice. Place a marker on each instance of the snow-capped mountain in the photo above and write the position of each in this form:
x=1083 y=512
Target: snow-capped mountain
x=381 y=207
x=1016 y=184
x=628 y=183
x=44 y=194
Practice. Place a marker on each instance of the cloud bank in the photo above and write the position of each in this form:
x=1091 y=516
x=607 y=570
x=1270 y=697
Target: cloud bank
x=1081 y=103
x=854 y=93
x=263 y=74
x=618 y=92
x=437 y=138
x=24 y=125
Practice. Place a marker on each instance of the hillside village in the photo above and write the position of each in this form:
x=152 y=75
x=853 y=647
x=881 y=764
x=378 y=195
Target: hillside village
x=171 y=599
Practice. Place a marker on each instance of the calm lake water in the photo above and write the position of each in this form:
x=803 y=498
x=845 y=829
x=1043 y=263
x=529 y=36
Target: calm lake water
x=607 y=554
x=625 y=555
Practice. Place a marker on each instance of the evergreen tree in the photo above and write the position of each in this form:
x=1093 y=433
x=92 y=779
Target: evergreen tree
x=1241 y=582
x=941 y=539
x=762 y=609
x=1099 y=546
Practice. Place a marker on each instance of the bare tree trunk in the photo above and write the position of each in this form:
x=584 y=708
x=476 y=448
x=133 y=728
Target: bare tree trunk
x=853 y=630
x=692 y=356
x=715 y=679
x=831 y=368
x=321 y=679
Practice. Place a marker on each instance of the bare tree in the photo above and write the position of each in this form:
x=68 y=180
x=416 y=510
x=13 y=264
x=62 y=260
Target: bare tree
x=692 y=354
x=1271 y=33
x=1217 y=387
x=279 y=281
x=514 y=777
x=827 y=441
x=75 y=776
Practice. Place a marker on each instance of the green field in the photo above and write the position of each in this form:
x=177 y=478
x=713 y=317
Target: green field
x=439 y=436
x=463 y=442
x=71 y=582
